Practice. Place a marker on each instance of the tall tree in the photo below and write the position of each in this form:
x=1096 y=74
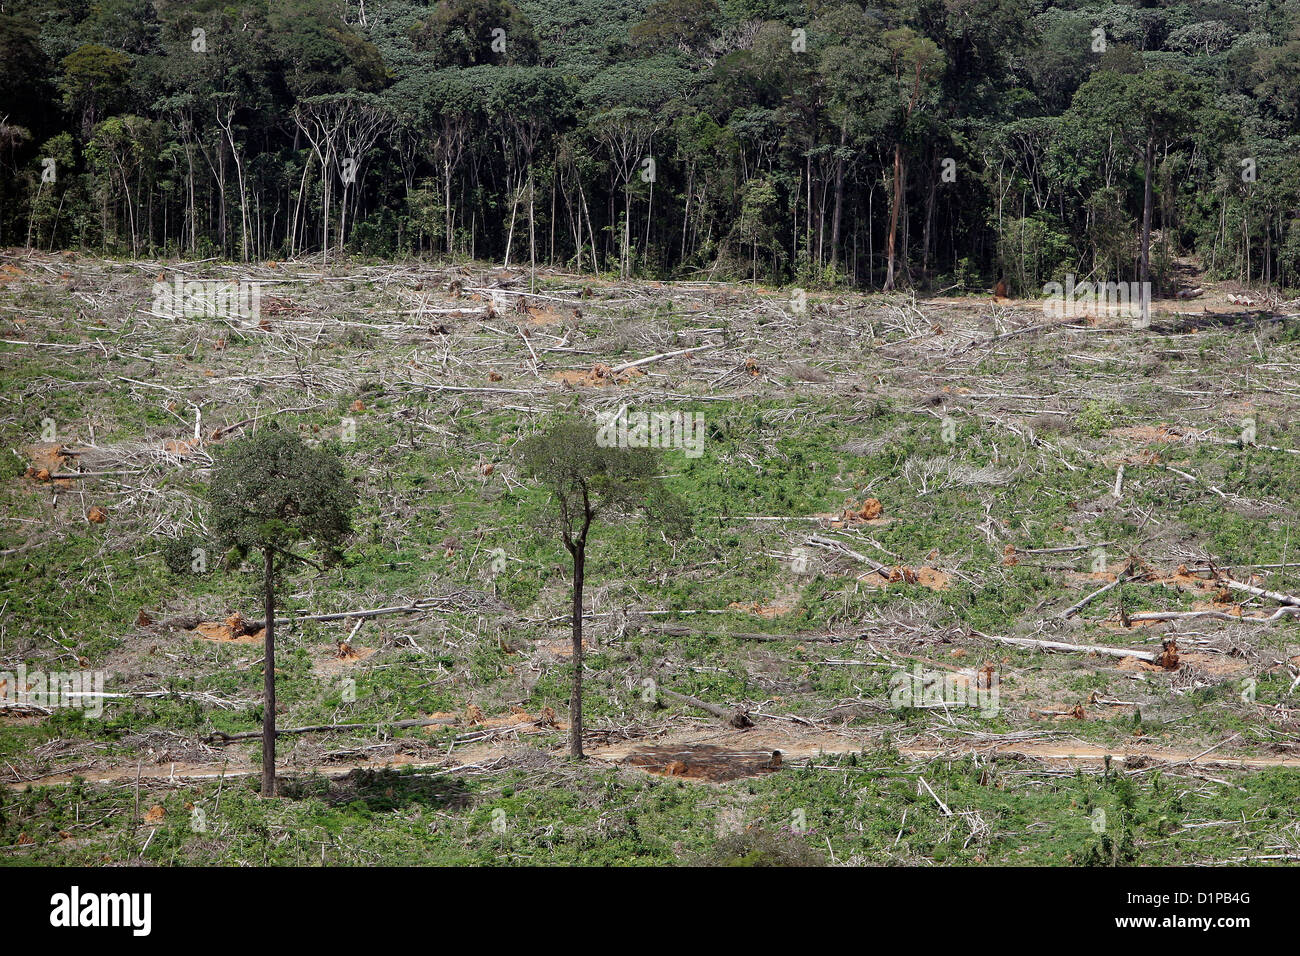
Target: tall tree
x=916 y=62
x=587 y=480
x=524 y=103
x=1149 y=110
x=94 y=83
x=628 y=106
x=472 y=32
x=852 y=64
x=268 y=493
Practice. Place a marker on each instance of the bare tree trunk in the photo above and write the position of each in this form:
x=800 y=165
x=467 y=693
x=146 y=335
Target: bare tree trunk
x=839 y=200
x=591 y=230
x=575 y=700
x=193 y=201
x=228 y=127
x=686 y=216
x=929 y=221
x=649 y=217
x=221 y=194
x=807 y=226
x=821 y=218
x=343 y=216
x=297 y=208
x=1145 y=261
x=268 y=664
x=627 y=227
x=532 y=234
x=130 y=209
x=31 y=220
x=325 y=209
x=1266 y=274
x=871 y=236
x=446 y=192
x=893 y=215
x=514 y=208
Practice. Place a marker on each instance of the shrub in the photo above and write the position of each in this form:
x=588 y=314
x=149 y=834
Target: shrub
x=762 y=847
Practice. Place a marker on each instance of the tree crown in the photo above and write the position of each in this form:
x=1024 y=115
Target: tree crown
x=588 y=480
x=272 y=489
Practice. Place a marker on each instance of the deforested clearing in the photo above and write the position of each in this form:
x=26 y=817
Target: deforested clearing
x=957 y=576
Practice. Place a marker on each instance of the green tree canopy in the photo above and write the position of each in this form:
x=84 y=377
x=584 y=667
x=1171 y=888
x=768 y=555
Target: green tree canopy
x=273 y=489
x=470 y=32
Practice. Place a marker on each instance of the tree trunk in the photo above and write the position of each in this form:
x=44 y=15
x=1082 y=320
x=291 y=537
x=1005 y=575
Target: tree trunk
x=221 y=194
x=297 y=210
x=871 y=236
x=193 y=200
x=627 y=227
x=343 y=216
x=649 y=215
x=325 y=211
x=686 y=216
x=893 y=216
x=839 y=199
x=268 y=665
x=575 y=699
x=1145 y=267
x=807 y=226
x=591 y=231
x=532 y=233
x=929 y=222
x=514 y=208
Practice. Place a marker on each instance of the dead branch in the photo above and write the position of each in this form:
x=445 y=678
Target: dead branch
x=672 y=630
x=818 y=541
x=415 y=608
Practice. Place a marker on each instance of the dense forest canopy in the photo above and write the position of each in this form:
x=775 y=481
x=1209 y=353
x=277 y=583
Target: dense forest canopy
x=935 y=143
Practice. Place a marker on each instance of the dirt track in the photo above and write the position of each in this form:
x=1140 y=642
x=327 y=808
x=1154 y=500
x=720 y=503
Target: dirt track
x=722 y=754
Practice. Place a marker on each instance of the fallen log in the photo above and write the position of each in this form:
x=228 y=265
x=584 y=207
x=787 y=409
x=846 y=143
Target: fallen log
x=662 y=355
x=1260 y=592
x=24 y=706
x=678 y=631
x=155 y=694
x=1151 y=656
x=347 y=615
x=222 y=738
x=1215 y=615
x=1074 y=609
x=736 y=718
x=75 y=475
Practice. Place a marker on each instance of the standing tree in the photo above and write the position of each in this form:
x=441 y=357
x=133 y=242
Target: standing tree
x=917 y=63
x=627 y=106
x=267 y=493
x=589 y=479
x=95 y=82
x=1152 y=112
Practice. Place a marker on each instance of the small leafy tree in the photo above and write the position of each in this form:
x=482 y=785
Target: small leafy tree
x=267 y=493
x=588 y=481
